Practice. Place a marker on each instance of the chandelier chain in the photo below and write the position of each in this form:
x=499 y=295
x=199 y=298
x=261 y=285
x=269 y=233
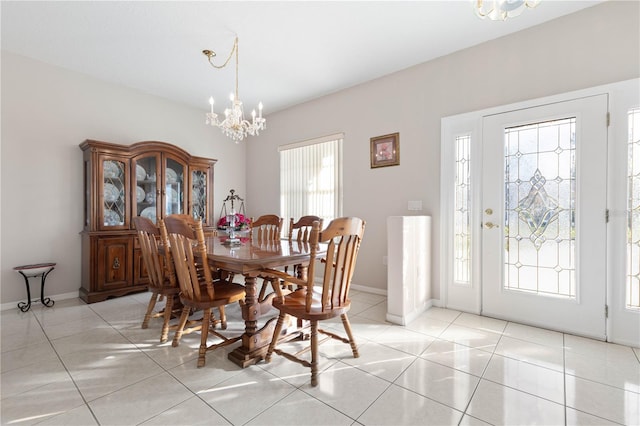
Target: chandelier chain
x=211 y=54
x=235 y=49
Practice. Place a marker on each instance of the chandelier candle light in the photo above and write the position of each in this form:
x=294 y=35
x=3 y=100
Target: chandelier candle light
x=500 y=10
x=234 y=125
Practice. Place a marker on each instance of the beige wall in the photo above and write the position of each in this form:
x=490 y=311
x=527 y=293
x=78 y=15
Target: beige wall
x=46 y=113
x=595 y=46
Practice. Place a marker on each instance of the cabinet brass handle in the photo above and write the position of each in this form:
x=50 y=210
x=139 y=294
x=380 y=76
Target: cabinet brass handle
x=116 y=263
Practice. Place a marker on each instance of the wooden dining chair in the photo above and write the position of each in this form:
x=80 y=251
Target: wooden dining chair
x=191 y=325
x=264 y=231
x=301 y=230
x=192 y=221
x=218 y=273
x=159 y=269
x=343 y=237
x=198 y=292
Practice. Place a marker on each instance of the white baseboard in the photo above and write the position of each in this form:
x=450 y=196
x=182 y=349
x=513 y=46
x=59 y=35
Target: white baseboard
x=436 y=303
x=407 y=319
x=55 y=298
x=366 y=289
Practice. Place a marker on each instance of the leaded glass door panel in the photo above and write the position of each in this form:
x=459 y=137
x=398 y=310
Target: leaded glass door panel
x=544 y=203
x=174 y=187
x=146 y=169
x=114 y=193
x=199 y=191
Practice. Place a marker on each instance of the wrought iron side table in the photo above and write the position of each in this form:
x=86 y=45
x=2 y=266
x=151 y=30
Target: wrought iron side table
x=33 y=271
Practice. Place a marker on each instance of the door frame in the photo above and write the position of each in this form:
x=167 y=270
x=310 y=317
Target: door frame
x=623 y=325
x=469 y=298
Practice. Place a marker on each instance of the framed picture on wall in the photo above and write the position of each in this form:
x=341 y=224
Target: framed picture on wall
x=385 y=150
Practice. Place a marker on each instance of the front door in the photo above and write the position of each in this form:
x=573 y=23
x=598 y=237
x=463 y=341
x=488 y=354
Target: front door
x=544 y=184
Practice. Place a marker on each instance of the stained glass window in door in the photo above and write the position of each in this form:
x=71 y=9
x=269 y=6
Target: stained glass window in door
x=462 y=217
x=633 y=212
x=539 y=214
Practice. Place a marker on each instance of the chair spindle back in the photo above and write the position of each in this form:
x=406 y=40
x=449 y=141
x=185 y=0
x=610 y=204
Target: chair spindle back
x=302 y=228
x=188 y=250
x=266 y=229
x=148 y=236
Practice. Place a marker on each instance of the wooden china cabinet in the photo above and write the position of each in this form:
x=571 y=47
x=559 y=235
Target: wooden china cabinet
x=149 y=179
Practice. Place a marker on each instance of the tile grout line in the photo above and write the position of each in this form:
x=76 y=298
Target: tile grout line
x=164 y=370
x=416 y=357
x=564 y=381
x=484 y=370
x=493 y=355
x=86 y=404
x=197 y=395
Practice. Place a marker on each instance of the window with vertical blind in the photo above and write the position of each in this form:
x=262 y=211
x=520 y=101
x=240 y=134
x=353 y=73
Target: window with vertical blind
x=311 y=178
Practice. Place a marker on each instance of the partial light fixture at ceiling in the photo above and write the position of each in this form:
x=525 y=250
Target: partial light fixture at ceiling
x=500 y=10
x=234 y=125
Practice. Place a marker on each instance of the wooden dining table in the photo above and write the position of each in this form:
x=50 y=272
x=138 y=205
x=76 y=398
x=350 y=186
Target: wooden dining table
x=249 y=258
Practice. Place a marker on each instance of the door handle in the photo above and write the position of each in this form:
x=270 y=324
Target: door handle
x=491 y=225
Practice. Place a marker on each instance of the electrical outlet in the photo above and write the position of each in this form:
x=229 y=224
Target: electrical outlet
x=415 y=205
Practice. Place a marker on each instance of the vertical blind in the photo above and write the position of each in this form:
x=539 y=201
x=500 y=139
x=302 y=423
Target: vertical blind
x=311 y=178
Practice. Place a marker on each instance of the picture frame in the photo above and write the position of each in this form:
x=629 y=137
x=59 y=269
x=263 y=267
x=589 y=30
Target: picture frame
x=385 y=150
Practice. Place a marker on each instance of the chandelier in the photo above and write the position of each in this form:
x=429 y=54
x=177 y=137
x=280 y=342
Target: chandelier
x=500 y=10
x=234 y=124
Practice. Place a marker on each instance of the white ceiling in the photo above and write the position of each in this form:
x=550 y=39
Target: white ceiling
x=290 y=51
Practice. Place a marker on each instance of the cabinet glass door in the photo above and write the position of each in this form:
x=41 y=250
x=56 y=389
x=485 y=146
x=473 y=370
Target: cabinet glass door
x=199 y=194
x=146 y=173
x=113 y=193
x=174 y=198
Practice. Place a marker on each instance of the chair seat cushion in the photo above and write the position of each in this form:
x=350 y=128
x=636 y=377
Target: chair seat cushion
x=294 y=304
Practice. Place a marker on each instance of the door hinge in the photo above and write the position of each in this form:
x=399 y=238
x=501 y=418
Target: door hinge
x=606 y=215
x=606 y=311
x=608 y=119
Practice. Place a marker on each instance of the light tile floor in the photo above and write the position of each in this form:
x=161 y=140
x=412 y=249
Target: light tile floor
x=78 y=364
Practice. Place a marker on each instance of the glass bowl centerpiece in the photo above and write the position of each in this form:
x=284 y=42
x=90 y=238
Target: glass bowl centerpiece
x=234 y=221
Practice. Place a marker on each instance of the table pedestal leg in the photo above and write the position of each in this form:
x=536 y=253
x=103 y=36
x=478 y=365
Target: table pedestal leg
x=255 y=342
x=253 y=345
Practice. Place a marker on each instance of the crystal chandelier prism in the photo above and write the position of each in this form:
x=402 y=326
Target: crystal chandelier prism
x=234 y=124
x=500 y=10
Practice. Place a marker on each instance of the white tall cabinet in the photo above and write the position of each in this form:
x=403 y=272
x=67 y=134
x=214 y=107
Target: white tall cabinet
x=408 y=267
